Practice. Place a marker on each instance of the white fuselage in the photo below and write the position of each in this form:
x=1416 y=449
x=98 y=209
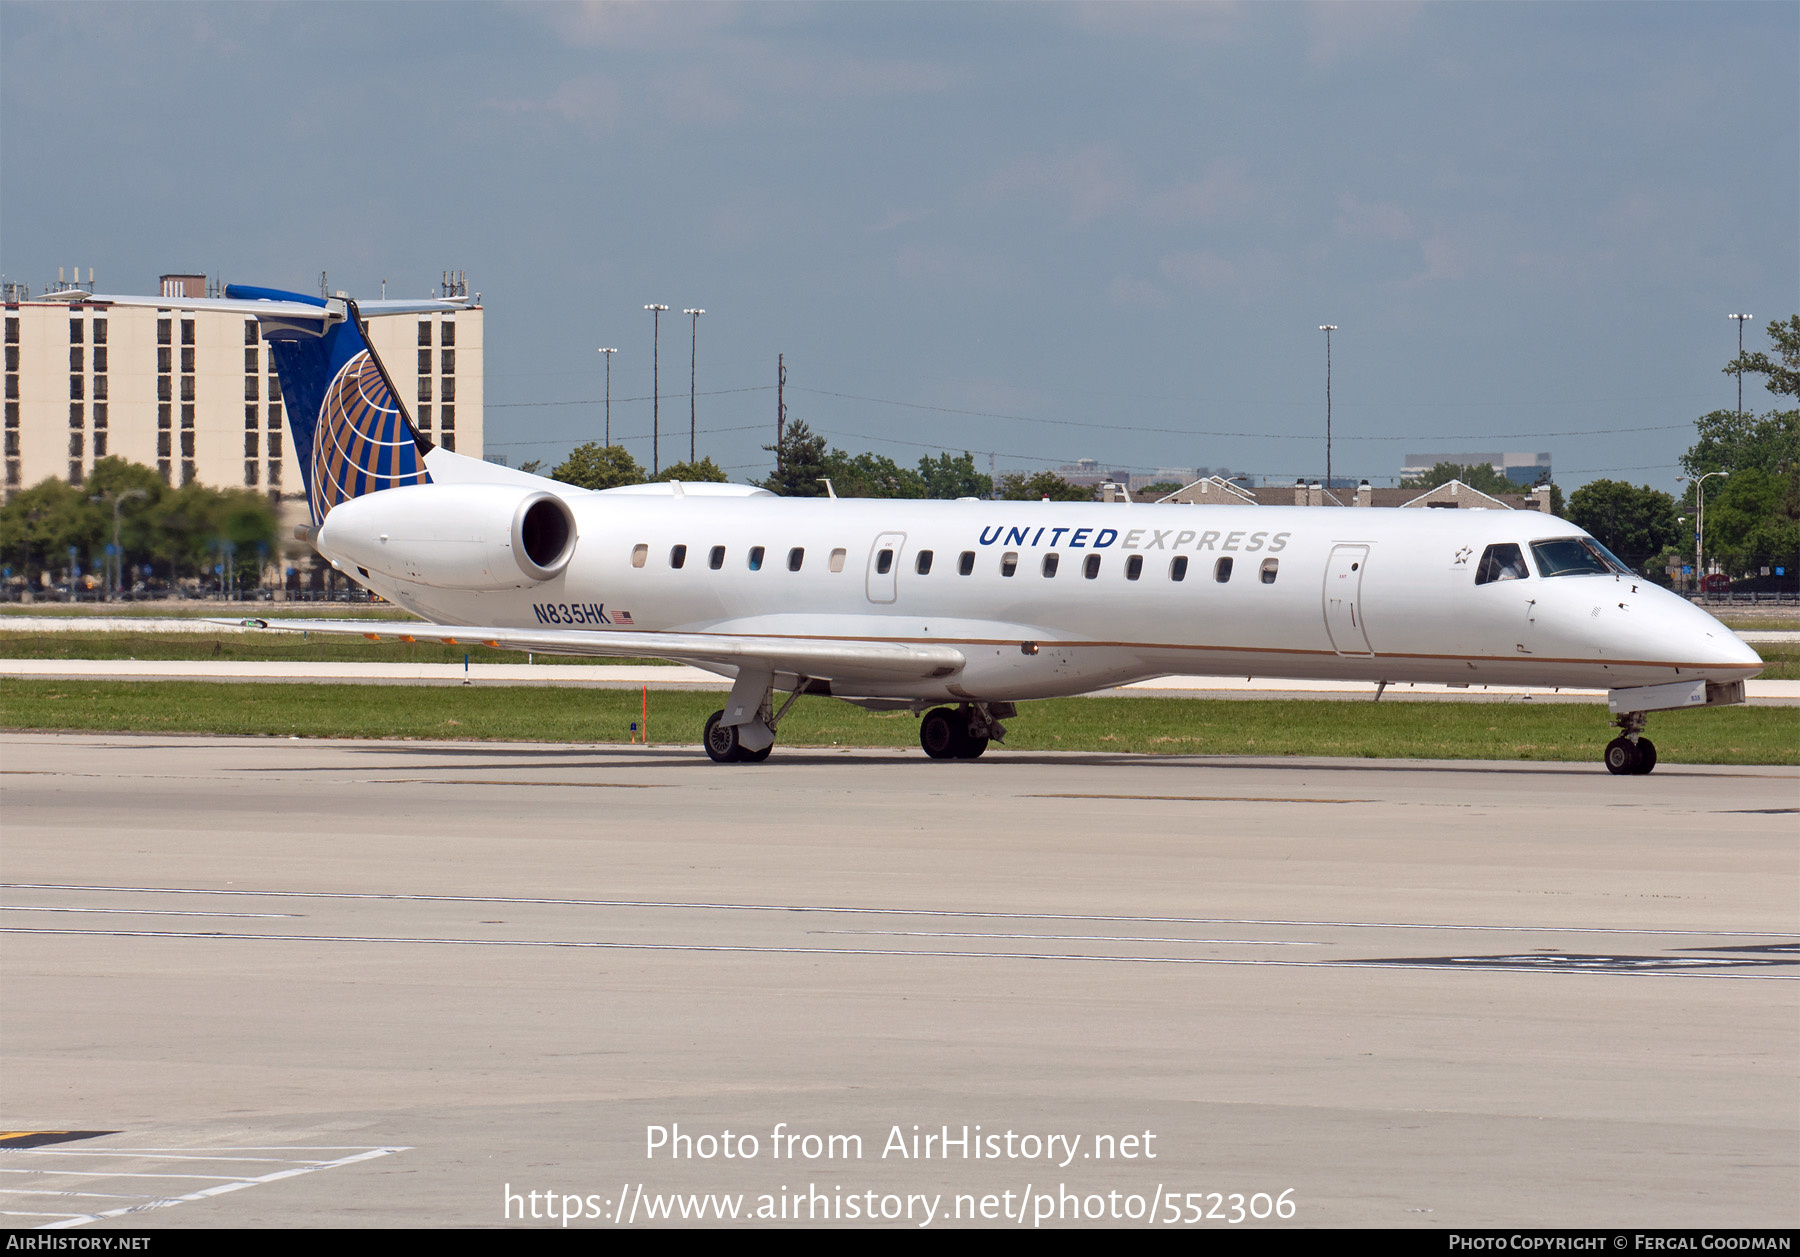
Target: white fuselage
x=1339 y=594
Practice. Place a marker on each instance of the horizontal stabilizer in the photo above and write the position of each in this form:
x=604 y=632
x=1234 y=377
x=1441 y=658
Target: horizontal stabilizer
x=819 y=658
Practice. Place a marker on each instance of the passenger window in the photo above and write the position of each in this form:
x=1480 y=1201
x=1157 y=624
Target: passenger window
x=837 y=560
x=966 y=564
x=1134 y=567
x=1222 y=571
x=884 y=562
x=717 y=559
x=796 y=557
x=1090 y=566
x=1050 y=562
x=1502 y=562
x=678 y=557
x=756 y=553
x=1269 y=568
x=923 y=566
x=640 y=555
x=1178 y=568
x=1009 y=563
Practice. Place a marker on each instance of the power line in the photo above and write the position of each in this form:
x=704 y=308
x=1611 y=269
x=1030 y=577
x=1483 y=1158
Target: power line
x=634 y=436
x=595 y=401
x=1264 y=436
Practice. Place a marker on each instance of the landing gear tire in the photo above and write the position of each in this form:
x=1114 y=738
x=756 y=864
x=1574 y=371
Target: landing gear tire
x=1623 y=758
x=722 y=744
x=1646 y=750
x=754 y=757
x=971 y=747
x=940 y=735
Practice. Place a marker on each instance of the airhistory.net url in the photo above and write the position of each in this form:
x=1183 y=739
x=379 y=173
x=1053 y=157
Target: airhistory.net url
x=1162 y=1207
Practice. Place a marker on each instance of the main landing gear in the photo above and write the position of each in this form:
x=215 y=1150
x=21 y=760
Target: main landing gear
x=1631 y=754
x=747 y=735
x=725 y=746
x=962 y=732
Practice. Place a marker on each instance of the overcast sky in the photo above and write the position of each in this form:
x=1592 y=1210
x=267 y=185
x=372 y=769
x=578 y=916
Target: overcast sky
x=1112 y=230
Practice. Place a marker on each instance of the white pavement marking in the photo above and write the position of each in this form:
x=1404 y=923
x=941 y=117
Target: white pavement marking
x=144 y=912
x=1080 y=938
x=230 y=1183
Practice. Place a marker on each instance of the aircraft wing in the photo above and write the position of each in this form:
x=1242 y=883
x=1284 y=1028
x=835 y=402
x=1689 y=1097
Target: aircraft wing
x=826 y=659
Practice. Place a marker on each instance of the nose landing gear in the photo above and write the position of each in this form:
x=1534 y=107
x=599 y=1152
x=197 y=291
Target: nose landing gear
x=1631 y=754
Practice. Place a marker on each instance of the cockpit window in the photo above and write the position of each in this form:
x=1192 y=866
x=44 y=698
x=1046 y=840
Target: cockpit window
x=1502 y=562
x=1575 y=556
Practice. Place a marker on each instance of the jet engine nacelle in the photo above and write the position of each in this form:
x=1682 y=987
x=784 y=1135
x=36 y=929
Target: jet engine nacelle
x=453 y=536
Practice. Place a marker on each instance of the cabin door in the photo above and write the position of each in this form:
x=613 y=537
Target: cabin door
x=1343 y=600
x=884 y=566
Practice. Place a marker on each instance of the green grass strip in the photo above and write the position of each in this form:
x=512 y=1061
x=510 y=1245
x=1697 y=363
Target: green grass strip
x=1357 y=729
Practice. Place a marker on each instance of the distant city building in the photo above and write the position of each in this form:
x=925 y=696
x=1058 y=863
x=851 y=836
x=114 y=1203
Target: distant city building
x=194 y=394
x=1524 y=469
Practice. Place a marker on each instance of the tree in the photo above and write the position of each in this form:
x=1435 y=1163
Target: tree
x=1753 y=513
x=139 y=492
x=1728 y=441
x=595 y=466
x=1161 y=489
x=705 y=469
x=947 y=477
x=799 y=463
x=533 y=467
x=871 y=476
x=1634 y=522
x=39 y=524
x=1018 y=487
x=1756 y=509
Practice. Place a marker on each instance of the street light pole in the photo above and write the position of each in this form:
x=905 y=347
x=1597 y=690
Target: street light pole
x=1700 y=525
x=1328 y=329
x=1741 y=320
x=655 y=384
x=693 y=343
x=609 y=353
x=118 y=500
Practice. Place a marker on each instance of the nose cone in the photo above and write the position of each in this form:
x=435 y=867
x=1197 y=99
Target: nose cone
x=1713 y=646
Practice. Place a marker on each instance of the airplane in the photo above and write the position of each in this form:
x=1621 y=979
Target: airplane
x=955 y=610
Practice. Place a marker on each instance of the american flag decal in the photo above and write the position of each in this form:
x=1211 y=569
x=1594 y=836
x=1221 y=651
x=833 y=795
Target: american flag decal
x=621 y=617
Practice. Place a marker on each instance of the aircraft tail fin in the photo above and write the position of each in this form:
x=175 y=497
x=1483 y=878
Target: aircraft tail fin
x=351 y=432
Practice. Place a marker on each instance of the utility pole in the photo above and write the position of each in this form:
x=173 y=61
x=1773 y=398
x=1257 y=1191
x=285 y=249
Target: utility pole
x=780 y=406
x=655 y=385
x=693 y=343
x=1328 y=329
x=1741 y=320
x=609 y=353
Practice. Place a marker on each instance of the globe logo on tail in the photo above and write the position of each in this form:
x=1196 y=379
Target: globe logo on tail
x=363 y=443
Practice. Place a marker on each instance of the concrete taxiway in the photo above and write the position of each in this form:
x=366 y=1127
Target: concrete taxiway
x=356 y=983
